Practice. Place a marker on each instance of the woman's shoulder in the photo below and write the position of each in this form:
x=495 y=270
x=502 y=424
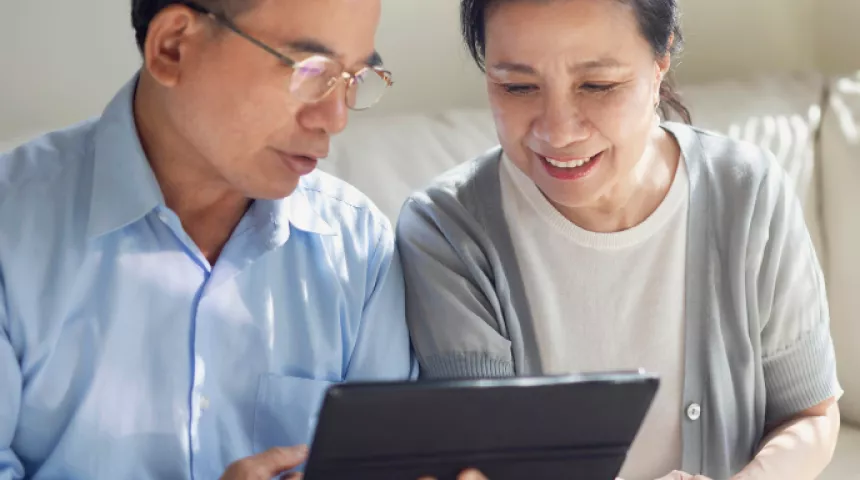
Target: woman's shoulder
x=738 y=186
x=732 y=167
x=461 y=187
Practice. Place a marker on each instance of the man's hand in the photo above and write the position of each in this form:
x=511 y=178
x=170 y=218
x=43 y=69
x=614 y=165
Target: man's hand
x=268 y=464
x=676 y=475
x=470 y=474
x=276 y=461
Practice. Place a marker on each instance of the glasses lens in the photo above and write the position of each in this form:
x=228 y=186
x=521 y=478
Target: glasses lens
x=368 y=88
x=313 y=78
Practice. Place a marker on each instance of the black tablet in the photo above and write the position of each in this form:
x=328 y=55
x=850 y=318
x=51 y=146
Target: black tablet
x=568 y=427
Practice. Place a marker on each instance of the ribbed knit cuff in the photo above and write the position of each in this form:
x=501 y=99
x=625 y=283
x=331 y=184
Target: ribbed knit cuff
x=801 y=376
x=466 y=365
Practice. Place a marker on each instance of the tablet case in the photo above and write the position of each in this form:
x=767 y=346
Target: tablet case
x=570 y=427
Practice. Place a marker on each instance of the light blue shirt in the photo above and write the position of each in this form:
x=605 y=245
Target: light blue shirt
x=124 y=354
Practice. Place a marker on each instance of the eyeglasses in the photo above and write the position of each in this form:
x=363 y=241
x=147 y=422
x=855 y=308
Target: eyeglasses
x=315 y=77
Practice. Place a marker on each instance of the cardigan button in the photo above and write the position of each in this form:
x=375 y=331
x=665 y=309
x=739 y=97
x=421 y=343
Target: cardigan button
x=694 y=411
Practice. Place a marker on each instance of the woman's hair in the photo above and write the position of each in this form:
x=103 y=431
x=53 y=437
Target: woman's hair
x=658 y=21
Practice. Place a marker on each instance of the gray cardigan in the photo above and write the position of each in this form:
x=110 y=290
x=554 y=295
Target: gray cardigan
x=758 y=346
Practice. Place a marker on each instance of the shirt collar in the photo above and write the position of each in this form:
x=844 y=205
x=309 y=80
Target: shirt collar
x=303 y=215
x=295 y=211
x=124 y=187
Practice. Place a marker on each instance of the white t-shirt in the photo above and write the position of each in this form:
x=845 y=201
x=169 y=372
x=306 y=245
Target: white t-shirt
x=604 y=302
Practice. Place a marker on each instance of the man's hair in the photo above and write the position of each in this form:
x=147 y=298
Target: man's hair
x=143 y=11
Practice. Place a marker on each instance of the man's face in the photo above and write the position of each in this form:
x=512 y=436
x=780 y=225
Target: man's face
x=231 y=101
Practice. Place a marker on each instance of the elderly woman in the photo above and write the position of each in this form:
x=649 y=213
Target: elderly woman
x=597 y=237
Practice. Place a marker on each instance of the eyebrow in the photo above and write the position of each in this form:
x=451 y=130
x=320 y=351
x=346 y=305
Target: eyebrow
x=308 y=45
x=601 y=64
x=513 y=67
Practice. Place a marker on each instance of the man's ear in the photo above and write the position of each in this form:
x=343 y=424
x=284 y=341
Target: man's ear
x=172 y=34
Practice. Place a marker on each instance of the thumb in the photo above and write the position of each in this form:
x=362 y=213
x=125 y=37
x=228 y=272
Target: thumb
x=471 y=474
x=676 y=475
x=280 y=459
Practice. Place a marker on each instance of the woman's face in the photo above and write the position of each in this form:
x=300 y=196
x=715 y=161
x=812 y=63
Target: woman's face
x=573 y=86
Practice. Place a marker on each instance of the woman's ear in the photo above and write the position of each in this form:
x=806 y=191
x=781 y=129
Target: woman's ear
x=659 y=75
x=663 y=65
x=666 y=61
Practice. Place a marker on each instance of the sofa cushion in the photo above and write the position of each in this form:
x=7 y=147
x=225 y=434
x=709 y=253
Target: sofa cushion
x=840 y=170
x=846 y=462
x=389 y=158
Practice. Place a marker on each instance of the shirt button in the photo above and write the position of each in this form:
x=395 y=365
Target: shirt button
x=694 y=411
x=163 y=216
x=204 y=403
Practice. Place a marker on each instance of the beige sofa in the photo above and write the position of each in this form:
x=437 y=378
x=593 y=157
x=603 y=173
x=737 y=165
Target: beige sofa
x=809 y=122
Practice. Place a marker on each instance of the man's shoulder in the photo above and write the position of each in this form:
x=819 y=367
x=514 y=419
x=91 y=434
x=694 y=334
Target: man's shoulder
x=43 y=185
x=45 y=163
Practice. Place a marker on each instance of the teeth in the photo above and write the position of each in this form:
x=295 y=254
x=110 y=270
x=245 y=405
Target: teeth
x=571 y=164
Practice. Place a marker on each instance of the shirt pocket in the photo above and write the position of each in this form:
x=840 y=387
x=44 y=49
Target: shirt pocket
x=286 y=410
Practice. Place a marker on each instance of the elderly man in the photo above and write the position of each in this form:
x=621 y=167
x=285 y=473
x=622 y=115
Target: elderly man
x=178 y=286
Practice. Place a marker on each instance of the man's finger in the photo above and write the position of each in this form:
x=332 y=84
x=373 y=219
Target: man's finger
x=676 y=475
x=280 y=459
x=471 y=474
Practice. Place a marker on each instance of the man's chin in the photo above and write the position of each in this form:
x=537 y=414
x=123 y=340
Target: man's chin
x=275 y=191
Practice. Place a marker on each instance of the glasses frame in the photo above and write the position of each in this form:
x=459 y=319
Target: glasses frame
x=346 y=77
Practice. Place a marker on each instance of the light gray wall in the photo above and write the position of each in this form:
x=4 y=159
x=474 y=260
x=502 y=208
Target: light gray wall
x=62 y=60
x=838 y=35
